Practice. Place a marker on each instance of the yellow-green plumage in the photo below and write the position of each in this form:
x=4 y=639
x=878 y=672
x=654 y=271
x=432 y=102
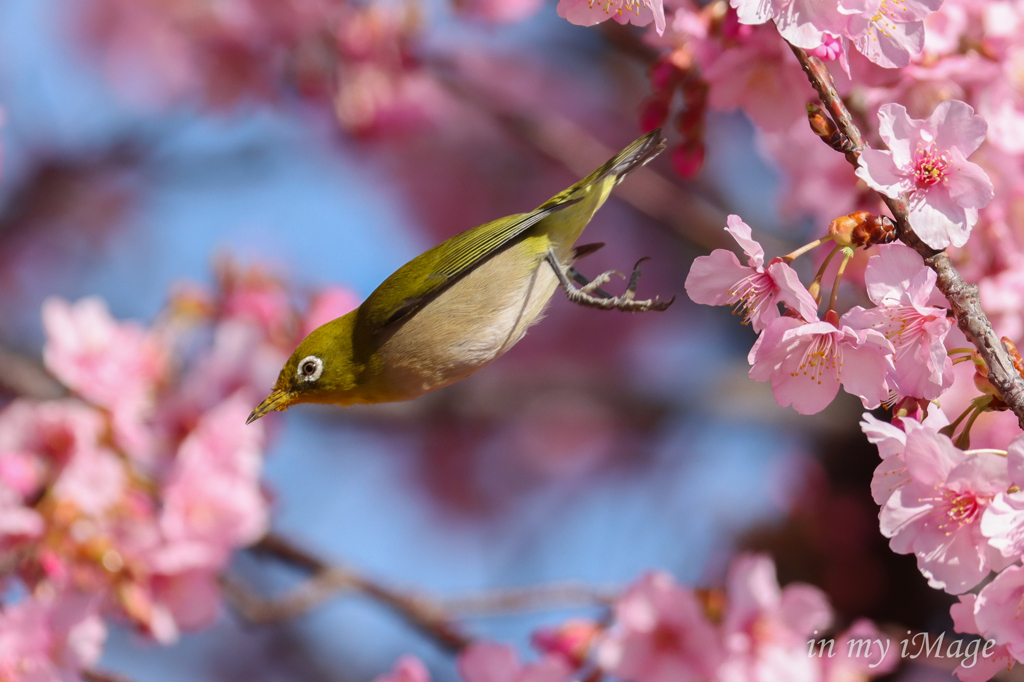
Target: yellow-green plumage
x=455 y=308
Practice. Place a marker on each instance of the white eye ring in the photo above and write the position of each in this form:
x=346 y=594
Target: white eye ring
x=310 y=368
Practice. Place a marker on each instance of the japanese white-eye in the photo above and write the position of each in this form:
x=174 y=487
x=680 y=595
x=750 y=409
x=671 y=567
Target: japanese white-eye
x=454 y=309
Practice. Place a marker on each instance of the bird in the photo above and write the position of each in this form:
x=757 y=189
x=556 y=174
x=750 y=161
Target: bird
x=457 y=307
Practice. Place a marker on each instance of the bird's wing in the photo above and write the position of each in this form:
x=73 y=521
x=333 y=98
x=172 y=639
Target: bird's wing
x=434 y=271
x=431 y=273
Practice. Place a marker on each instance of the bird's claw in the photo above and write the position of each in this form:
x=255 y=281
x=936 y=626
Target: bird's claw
x=585 y=294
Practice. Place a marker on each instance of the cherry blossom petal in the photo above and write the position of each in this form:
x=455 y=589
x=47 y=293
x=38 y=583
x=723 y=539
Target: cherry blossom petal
x=743 y=235
x=957 y=127
x=899 y=132
x=864 y=368
x=997 y=610
x=968 y=185
x=713 y=277
x=898 y=275
x=792 y=292
x=881 y=173
x=938 y=220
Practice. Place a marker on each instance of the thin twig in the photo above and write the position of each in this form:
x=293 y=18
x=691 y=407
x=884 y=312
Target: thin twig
x=532 y=598
x=25 y=377
x=103 y=676
x=962 y=296
x=435 y=617
x=327 y=582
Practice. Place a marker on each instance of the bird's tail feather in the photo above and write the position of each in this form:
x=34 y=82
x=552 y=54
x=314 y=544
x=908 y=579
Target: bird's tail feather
x=642 y=150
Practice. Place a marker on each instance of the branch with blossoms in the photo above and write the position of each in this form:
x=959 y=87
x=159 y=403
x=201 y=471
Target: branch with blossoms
x=972 y=193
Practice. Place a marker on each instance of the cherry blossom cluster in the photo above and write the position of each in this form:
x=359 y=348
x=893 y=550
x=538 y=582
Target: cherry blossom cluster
x=356 y=57
x=662 y=631
x=959 y=511
x=125 y=499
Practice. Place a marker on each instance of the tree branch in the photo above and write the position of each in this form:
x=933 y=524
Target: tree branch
x=102 y=676
x=327 y=582
x=433 y=617
x=25 y=377
x=962 y=296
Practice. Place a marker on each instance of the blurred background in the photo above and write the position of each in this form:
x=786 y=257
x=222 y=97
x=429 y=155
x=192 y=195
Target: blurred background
x=138 y=159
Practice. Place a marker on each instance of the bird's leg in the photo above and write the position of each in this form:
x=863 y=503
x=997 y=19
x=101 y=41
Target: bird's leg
x=585 y=294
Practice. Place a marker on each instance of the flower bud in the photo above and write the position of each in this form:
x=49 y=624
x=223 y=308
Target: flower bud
x=572 y=640
x=981 y=381
x=653 y=113
x=688 y=158
x=823 y=127
x=861 y=228
x=1011 y=349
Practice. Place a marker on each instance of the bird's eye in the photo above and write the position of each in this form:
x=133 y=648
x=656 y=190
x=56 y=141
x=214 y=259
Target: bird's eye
x=310 y=368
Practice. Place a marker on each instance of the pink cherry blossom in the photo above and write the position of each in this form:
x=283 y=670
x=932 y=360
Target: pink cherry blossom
x=662 y=635
x=571 y=639
x=876 y=659
x=50 y=638
x=927 y=161
x=814 y=180
x=116 y=365
x=94 y=480
x=887 y=32
x=766 y=628
x=212 y=499
x=998 y=608
x=1003 y=520
x=807 y=361
x=756 y=291
x=901 y=286
x=407 y=669
x=980 y=668
x=891 y=441
x=590 y=12
x=96 y=356
x=484 y=661
x=759 y=75
x=937 y=514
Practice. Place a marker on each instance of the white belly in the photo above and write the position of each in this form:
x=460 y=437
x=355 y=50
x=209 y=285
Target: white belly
x=470 y=324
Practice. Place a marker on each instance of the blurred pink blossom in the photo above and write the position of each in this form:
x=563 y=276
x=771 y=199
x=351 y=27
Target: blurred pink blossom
x=815 y=181
x=50 y=638
x=407 y=669
x=876 y=660
x=927 y=160
x=328 y=304
x=212 y=500
x=662 y=635
x=766 y=627
x=759 y=75
x=720 y=279
x=484 y=661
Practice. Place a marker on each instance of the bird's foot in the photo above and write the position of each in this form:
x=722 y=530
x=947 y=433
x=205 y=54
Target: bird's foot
x=590 y=294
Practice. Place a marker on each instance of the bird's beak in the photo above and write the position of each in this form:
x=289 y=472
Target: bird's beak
x=278 y=400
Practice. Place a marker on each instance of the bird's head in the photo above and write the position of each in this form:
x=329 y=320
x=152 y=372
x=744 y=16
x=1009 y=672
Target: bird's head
x=320 y=370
